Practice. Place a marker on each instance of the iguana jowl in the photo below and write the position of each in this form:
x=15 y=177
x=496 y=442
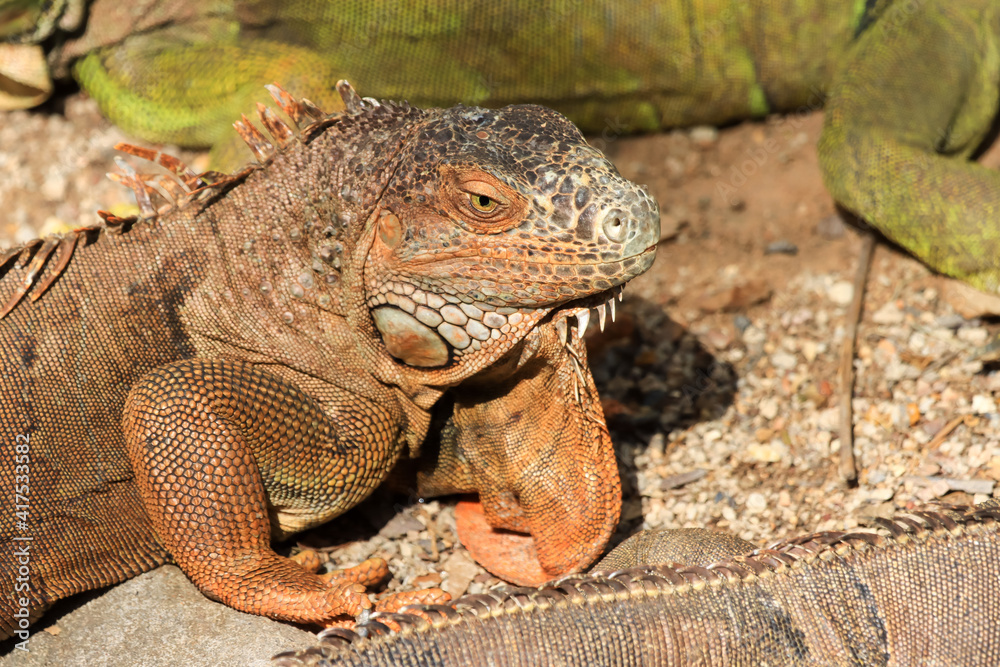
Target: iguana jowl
x=255 y=358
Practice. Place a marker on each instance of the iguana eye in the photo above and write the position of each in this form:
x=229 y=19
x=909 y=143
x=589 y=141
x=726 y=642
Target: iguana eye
x=483 y=204
x=479 y=201
x=483 y=199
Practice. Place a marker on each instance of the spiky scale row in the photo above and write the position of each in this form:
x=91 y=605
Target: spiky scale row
x=416 y=629
x=185 y=187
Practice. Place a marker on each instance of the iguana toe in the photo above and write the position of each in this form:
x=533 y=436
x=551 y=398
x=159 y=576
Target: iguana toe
x=368 y=573
x=394 y=602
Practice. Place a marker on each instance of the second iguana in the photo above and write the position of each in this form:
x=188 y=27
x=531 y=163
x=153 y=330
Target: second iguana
x=255 y=357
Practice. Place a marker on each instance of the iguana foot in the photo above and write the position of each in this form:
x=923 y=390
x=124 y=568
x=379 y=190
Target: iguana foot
x=510 y=556
x=369 y=573
x=309 y=559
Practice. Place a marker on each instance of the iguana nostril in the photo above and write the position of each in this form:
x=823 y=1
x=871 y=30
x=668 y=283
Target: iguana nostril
x=615 y=226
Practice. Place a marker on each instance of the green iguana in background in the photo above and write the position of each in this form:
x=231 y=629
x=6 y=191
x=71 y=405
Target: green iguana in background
x=911 y=86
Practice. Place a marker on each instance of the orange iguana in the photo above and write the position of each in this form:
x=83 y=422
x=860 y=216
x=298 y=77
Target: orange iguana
x=255 y=357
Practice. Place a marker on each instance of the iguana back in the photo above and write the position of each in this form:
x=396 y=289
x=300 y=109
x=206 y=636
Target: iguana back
x=922 y=590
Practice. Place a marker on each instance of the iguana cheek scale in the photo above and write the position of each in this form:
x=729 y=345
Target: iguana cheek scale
x=254 y=357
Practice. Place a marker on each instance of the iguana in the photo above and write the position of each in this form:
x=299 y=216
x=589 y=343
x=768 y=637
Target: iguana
x=911 y=86
x=922 y=589
x=255 y=357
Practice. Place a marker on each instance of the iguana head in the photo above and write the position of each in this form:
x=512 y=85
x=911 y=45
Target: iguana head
x=493 y=232
x=492 y=220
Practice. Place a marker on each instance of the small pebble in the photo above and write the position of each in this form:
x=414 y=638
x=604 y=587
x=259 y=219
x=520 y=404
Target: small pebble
x=703 y=136
x=461 y=570
x=772 y=452
x=841 y=293
x=831 y=227
x=983 y=405
x=781 y=248
x=769 y=408
x=888 y=314
x=756 y=503
x=784 y=361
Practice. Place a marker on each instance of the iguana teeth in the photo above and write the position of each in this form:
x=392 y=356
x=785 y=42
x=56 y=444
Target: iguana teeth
x=601 y=315
x=611 y=302
x=621 y=292
x=563 y=330
x=582 y=320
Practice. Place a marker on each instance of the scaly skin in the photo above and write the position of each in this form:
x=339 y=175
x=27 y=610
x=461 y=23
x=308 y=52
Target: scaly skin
x=911 y=87
x=923 y=590
x=912 y=105
x=254 y=360
x=610 y=67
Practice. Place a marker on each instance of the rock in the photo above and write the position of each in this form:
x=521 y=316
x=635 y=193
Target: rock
x=881 y=494
x=968 y=301
x=720 y=339
x=973 y=335
x=784 y=361
x=461 y=570
x=772 y=452
x=831 y=227
x=739 y=297
x=756 y=503
x=888 y=314
x=54 y=186
x=158 y=618
x=400 y=525
x=753 y=336
x=429 y=580
x=677 y=481
x=983 y=405
x=781 y=247
x=769 y=408
x=703 y=136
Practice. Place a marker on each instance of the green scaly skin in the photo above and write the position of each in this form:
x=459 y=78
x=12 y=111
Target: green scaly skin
x=910 y=99
x=907 y=112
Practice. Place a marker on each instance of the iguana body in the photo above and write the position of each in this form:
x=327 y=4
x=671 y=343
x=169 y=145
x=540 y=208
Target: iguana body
x=912 y=86
x=256 y=358
x=922 y=591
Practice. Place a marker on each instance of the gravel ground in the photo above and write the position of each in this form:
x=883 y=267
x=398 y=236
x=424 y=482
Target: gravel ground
x=719 y=377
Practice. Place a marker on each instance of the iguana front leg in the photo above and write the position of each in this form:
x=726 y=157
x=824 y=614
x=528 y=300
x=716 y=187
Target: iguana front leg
x=535 y=447
x=222 y=450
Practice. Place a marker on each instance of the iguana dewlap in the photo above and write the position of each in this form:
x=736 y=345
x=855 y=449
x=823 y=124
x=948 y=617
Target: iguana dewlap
x=254 y=359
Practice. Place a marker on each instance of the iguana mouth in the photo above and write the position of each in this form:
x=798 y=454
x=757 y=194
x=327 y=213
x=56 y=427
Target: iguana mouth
x=603 y=303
